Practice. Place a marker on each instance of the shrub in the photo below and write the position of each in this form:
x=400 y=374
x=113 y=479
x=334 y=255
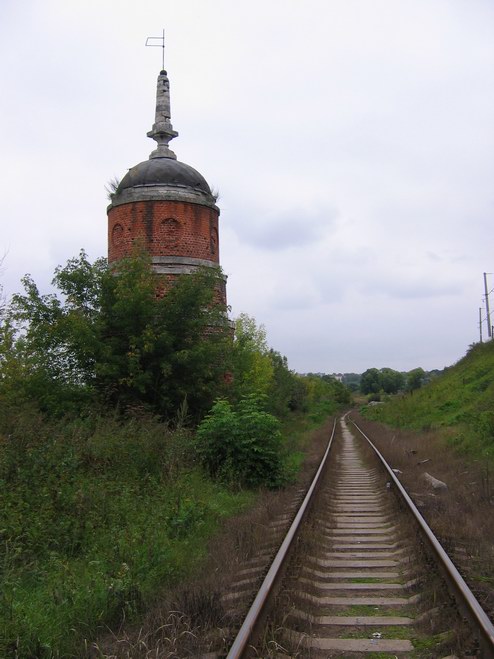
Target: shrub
x=243 y=446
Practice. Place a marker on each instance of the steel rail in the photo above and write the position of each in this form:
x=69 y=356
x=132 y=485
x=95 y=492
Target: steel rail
x=465 y=599
x=258 y=607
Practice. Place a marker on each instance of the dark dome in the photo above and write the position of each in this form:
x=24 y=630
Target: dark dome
x=164 y=171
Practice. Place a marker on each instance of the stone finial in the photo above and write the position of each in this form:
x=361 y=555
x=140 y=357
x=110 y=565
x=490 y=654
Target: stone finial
x=162 y=131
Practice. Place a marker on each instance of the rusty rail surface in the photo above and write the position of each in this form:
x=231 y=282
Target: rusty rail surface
x=465 y=599
x=258 y=608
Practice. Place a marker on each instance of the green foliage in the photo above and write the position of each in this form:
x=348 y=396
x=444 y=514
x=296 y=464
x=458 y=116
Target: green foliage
x=258 y=370
x=386 y=379
x=484 y=426
x=107 y=338
x=391 y=381
x=252 y=367
x=324 y=389
x=101 y=509
x=242 y=445
x=415 y=379
x=352 y=381
x=97 y=516
x=342 y=393
x=184 y=517
x=370 y=382
x=215 y=436
x=460 y=401
x=287 y=392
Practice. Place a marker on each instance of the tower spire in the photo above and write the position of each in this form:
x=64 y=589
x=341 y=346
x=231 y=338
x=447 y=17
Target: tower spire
x=162 y=131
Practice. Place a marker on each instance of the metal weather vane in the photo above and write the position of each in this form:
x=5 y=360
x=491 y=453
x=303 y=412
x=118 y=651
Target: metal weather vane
x=159 y=45
x=162 y=131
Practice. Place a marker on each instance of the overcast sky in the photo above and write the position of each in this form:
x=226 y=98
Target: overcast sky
x=351 y=141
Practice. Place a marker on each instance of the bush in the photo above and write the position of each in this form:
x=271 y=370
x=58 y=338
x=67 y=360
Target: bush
x=242 y=446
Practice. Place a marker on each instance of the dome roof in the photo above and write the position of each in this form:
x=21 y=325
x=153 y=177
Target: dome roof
x=166 y=172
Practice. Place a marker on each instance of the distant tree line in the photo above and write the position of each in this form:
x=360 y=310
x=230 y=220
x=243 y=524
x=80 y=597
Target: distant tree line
x=389 y=381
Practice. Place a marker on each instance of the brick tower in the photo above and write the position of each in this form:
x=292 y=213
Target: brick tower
x=166 y=206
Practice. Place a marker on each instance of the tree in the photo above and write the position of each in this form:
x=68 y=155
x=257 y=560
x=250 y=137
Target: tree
x=370 y=382
x=287 y=391
x=261 y=371
x=253 y=370
x=324 y=393
x=242 y=445
x=107 y=337
x=415 y=379
x=391 y=381
x=352 y=381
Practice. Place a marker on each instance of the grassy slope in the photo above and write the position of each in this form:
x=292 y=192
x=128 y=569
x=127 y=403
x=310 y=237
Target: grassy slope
x=460 y=403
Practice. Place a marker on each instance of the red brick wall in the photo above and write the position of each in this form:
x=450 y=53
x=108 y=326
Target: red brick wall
x=164 y=228
x=167 y=281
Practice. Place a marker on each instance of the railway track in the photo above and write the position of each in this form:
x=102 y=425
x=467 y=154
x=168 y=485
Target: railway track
x=358 y=574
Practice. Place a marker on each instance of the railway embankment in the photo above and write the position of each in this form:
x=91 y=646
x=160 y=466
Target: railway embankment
x=440 y=441
x=460 y=512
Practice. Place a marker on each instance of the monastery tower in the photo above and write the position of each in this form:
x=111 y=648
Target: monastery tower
x=166 y=206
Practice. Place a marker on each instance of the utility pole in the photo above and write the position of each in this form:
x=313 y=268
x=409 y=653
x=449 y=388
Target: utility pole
x=480 y=323
x=488 y=313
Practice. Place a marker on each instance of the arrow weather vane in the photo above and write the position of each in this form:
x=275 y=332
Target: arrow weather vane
x=160 y=45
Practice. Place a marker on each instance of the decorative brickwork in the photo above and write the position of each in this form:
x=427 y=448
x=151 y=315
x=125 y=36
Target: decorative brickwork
x=163 y=228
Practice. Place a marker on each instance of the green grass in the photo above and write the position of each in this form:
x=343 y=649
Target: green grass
x=155 y=536
x=372 y=580
x=320 y=412
x=424 y=646
x=97 y=519
x=460 y=402
x=428 y=643
x=372 y=610
x=297 y=430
